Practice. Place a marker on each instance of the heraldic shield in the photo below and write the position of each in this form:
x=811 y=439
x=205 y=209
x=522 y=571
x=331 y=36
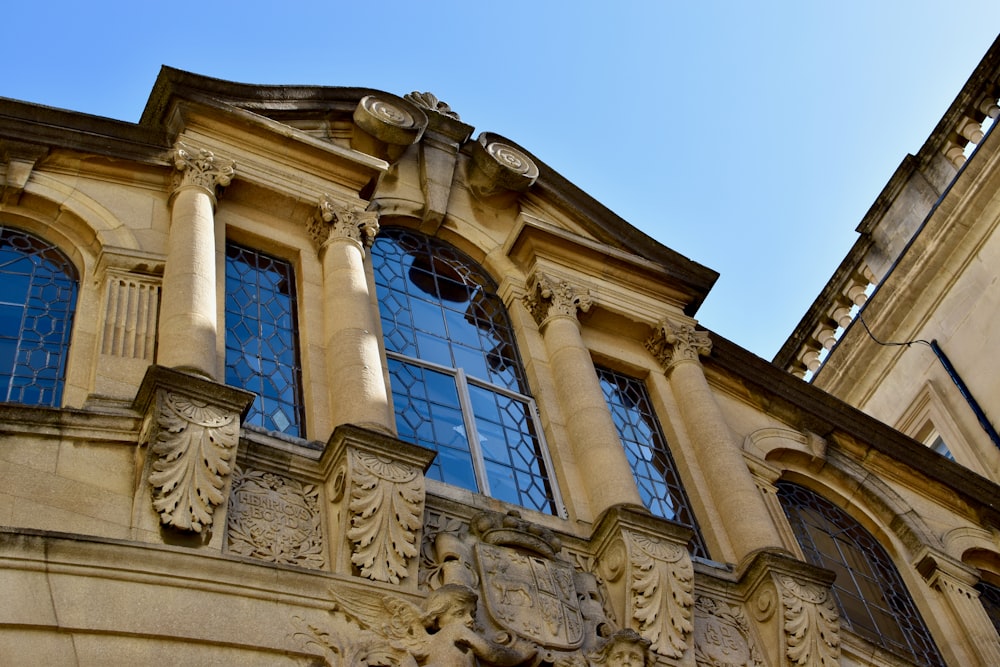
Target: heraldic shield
x=530 y=596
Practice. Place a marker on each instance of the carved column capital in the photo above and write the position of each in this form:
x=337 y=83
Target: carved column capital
x=334 y=221
x=672 y=343
x=201 y=168
x=549 y=298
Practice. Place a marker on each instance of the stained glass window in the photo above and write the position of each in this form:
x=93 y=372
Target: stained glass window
x=989 y=596
x=38 y=288
x=872 y=598
x=261 y=338
x=646 y=448
x=458 y=384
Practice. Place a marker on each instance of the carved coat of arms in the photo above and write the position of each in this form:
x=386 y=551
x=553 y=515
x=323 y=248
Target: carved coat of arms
x=530 y=596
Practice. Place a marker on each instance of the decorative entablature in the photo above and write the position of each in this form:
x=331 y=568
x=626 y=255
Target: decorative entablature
x=614 y=281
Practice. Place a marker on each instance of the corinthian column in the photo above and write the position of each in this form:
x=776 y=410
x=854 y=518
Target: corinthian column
x=354 y=365
x=744 y=514
x=596 y=445
x=188 y=333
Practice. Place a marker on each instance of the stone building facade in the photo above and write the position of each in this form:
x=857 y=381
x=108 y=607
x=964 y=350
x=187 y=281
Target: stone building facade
x=302 y=375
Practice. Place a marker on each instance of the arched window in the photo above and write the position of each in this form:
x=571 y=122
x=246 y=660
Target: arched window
x=38 y=286
x=262 y=353
x=458 y=385
x=873 y=601
x=646 y=448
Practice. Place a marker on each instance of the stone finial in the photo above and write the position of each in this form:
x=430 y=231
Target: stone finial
x=201 y=168
x=333 y=221
x=672 y=342
x=430 y=102
x=555 y=298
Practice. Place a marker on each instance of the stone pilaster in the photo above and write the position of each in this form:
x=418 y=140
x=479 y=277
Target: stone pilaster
x=955 y=583
x=645 y=564
x=678 y=346
x=592 y=433
x=376 y=494
x=190 y=435
x=354 y=367
x=188 y=327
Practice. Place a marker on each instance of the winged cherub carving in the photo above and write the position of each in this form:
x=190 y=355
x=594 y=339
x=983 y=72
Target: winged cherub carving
x=440 y=634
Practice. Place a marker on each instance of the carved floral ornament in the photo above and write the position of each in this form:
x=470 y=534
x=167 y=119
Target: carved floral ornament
x=810 y=621
x=334 y=221
x=430 y=102
x=673 y=342
x=553 y=298
x=191 y=456
x=275 y=519
x=199 y=167
x=386 y=505
x=723 y=635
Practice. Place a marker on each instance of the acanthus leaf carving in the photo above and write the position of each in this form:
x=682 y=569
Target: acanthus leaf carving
x=556 y=298
x=811 y=623
x=334 y=220
x=386 y=505
x=193 y=447
x=672 y=342
x=662 y=593
x=200 y=167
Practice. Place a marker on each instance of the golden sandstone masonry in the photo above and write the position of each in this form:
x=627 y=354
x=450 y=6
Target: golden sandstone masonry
x=305 y=375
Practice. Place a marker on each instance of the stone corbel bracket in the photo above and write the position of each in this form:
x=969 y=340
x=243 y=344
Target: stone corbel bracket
x=192 y=428
x=795 y=609
x=500 y=171
x=376 y=488
x=646 y=566
x=19 y=158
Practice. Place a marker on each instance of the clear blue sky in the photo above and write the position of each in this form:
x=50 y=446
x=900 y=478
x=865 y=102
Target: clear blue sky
x=750 y=137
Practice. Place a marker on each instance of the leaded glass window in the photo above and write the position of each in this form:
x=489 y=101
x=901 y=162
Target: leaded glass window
x=458 y=384
x=646 y=448
x=261 y=338
x=38 y=287
x=989 y=595
x=872 y=598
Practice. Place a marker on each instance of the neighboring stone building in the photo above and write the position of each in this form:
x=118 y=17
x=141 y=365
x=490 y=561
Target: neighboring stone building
x=923 y=356
x=302 y=375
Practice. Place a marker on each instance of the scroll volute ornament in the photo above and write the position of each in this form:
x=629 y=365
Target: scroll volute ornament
x=334 y=220
x=201 y=168
x=550 y=297
x=673 y=342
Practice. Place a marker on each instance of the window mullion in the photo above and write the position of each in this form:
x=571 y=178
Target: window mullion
x=472 y=432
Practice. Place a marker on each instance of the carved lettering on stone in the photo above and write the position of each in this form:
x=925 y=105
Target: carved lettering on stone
x=386 y=506
x=662 y=593
x=275 y=519
x=722 y=636
x=191 y=454
x=811 y=623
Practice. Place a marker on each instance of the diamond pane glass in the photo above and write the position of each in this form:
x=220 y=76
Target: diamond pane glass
x=37 y=300
x=873 y=601
x=989 y=595
x=646 y=448
x=261 y=338
x=438 y=308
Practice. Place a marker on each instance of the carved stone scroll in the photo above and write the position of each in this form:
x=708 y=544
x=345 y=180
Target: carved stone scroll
x=387 y=505
x=334 y=220
x=672 y=342
x=649 y=574
x=201 y=168
x=275 y=519
x=192 y=433
x=377 y=493
x=811 y=623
